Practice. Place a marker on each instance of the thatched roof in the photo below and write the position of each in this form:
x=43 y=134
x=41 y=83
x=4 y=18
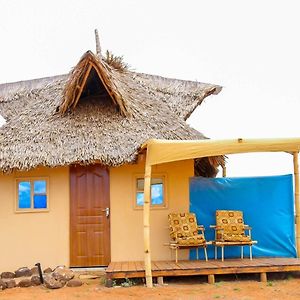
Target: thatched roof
x=94 y=114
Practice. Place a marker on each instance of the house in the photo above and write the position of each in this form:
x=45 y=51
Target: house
x=72 y=163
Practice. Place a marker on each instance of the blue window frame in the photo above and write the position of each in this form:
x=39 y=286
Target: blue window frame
x=157 y=192
x=32 y=194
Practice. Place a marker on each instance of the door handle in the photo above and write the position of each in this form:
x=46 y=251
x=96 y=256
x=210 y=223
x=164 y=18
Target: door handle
x=106 y=210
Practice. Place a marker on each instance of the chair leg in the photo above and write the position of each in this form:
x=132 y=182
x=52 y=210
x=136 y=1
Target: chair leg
x=222 y=251
x=250 y=250
x=176 y=255
x=205 y=254
x=242 y=252
x=197 y=253
x=216 y=252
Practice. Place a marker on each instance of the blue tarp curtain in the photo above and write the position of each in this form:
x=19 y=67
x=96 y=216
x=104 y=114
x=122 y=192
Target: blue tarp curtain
x=268 y=207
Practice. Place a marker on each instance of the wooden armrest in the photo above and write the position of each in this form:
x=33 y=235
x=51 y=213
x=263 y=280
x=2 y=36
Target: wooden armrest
x=216 y=227
x=200 y=227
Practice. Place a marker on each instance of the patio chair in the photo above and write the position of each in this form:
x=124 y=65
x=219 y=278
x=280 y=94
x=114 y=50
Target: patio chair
x=185 y=233
x=230 y=231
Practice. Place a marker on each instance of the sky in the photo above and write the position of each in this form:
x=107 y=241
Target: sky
x=250 y=48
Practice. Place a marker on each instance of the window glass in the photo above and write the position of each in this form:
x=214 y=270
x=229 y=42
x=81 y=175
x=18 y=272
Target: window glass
x=39 y=201
x=157 y=194
x=24 y=194
x=140 y=199
x=157 y=191
x=156 y=181
x=32 y=194
x=40 y=186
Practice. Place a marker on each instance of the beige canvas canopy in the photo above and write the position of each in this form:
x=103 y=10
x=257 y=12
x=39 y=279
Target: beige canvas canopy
x=163 y=151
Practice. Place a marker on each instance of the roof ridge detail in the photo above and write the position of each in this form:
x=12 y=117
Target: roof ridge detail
x=78 y=77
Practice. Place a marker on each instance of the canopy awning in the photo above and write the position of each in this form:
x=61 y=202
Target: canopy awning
x=163 y=151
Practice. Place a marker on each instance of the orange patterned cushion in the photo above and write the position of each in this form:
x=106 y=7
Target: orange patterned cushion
x=183 y=225
x=191 y=240
x=232 y=223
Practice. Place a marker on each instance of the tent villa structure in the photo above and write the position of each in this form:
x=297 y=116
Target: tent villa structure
x=165 y=151
x=92 y=160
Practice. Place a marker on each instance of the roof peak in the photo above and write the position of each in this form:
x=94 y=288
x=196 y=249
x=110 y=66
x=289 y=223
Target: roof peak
x=78 y=80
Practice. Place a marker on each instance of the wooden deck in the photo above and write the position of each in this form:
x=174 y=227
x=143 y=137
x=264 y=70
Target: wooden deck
x=210 y=268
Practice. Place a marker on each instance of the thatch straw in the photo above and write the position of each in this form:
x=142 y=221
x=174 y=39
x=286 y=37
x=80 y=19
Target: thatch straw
x=107 y=128
x=77 y=80
x=116 y=62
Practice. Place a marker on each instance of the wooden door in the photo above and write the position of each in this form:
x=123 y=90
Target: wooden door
x=89 y=217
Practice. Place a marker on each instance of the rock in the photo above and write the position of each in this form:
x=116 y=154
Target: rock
x=25 y=283
x=74 y=283
x=109 y=283
x=35 y=280
x=63 y=274
x=11 y=283
x=3 y=285
x=35 y=270
x=7 y=275
x=60 y=267
x=48 y=270
x=24 y=271
x=52 y=283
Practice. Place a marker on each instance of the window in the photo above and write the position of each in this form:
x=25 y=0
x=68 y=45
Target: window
x=157 y=192
x=32 y=194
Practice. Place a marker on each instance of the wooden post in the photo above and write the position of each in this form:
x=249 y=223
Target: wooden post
x=211 y=278
x=98 y=48
x=297 y=200
x=160 y=280
x=147 y=201
x=263 y=277
x=223 y=170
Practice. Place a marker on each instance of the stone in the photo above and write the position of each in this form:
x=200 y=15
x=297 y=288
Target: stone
x=3 y=285
x=11 y=283
x=74 y=283
x=109 y=283
x=59 y=267
x=7 y=275
x=35 y=280
x=35 y=270
x=52 y=283
x=48 y=270
x=63 y=274
x=23 y=272
x=26 y=282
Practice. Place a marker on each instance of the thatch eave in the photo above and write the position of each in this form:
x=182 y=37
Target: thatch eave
x=89 y=129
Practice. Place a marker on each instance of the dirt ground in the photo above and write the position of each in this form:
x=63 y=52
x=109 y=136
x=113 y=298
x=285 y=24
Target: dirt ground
x=279 y=286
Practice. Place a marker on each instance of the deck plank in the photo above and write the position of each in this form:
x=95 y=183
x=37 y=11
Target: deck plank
x=201 y=267
x=140 y=266
x=111 y=267
x=124 y=267
x=118 y=266
x=131 y=266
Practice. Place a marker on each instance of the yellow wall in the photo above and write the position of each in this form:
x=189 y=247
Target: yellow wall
x=127 y=222
x=28 y=238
